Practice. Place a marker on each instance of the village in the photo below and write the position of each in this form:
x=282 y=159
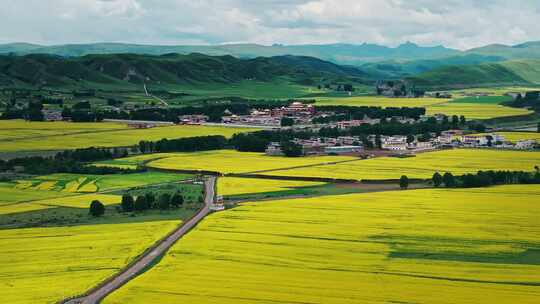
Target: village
x=300 y=116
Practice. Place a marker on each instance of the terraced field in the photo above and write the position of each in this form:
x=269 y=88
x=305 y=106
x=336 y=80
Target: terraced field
x=45 y=265
x=421 y=246
x=73 y=201
x=456 y=161
x=30 y=136
x=432 y=105
x=229 y=161
x=229 y=186
x=66 y=190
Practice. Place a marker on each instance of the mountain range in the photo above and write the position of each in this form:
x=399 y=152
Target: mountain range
x=118 y=63
x=134 y=69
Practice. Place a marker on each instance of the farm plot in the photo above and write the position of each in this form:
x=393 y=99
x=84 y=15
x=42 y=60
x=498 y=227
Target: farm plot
x=112 y=138
x=433 y=106
x=517 y=136
x=65 y=190
x=421 y=246
x=20 y=129
x=45 y=265
x=75 y=183
x=132 y=162
x=230 y=186
x=456 y=161
x=229 y=161
x=10 y=194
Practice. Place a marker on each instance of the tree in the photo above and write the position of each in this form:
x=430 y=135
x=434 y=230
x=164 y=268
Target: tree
x=437 y=179
x=287 y=121
x=141 y=204
x=164 y=201
x=455 y=121
x=150 y=199
x=97 y=208
x=127 y=203
x=462 y=120
x=177 y=200
x=449 y=180
x=291 y=149
x=404 y=182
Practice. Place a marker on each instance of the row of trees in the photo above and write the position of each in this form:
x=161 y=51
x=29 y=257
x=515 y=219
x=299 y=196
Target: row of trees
x=148 y=201
x=70 y=161
x=348 y=113
x=486 y=178
x=188 y=144
x=140 y=203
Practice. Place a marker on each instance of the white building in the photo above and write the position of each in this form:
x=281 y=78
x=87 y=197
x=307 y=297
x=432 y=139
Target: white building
x=526 y=144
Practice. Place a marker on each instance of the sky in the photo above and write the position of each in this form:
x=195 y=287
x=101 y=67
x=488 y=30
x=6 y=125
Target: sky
x=460 y=24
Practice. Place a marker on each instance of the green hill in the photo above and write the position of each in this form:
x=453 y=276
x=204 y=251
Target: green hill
x=528 y=50
x=129 y=69
x=518 y=72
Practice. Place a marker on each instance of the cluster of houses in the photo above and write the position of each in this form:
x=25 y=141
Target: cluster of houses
x=321 y=146
x=299 y=112
x=353 y=145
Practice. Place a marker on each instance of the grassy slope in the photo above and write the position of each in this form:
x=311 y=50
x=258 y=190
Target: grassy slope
x=524 y=72
x=421 y=246
x=130 y=70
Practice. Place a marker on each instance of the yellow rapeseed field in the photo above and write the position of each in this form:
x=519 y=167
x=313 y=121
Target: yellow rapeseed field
x=516 y=136
x=45 y=265
x=61 y=139
x=19 y=129
x=432 y=105
x=73 y=201
x=379 y=101
x=229 y=161
x=420 y=246
x=475 y=110
x=456 y=161
x=234 y=186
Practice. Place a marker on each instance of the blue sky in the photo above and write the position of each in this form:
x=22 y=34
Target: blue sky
x=454 y=23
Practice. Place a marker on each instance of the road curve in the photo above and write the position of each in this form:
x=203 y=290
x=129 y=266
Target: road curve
x=95 y=295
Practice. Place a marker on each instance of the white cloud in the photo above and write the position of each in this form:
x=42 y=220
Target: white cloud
x=454 y=23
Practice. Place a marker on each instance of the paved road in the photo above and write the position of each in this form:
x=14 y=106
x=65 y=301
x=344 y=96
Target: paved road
x=100 y=292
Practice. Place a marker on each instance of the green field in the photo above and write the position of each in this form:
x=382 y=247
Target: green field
x=482 y=99
x=25 y=136
x=67 y=190
x=456 y=161
x=46 y=265
x=230 y=161
x=420 y=246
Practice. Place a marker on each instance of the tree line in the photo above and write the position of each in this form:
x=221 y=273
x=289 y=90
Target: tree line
x=187 y=144
x=343 y=113
x=147 y=201
x=485 y=178
x=69 y=161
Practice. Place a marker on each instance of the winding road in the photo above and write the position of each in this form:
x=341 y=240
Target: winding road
x=143 y=262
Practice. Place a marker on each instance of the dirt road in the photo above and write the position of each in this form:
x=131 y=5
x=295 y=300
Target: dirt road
x=97 y=294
